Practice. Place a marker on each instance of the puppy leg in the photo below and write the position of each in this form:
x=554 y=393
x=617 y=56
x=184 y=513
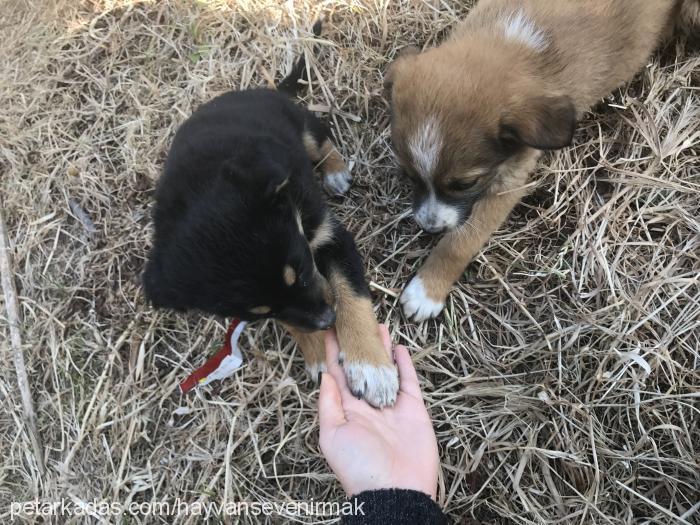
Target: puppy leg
x=370 y=371
x=336 y=175
x=425 y=295
x=313 y=349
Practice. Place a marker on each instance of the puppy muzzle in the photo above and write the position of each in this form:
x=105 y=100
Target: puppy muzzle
x=325 y=319
x=311 y=321
x=436 y=217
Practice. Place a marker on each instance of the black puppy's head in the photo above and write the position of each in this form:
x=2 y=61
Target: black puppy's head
x=238 y=249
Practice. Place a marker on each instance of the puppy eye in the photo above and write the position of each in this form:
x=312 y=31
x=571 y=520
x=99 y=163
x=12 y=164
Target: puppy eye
x=305 y=277
x=408 y=174
x=417 y=182
x=460 y=185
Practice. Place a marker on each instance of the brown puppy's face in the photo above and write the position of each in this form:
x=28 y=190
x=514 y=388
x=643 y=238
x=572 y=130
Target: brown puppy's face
x=458 y=133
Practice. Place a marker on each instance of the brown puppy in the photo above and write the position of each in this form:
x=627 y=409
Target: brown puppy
x=471 y=117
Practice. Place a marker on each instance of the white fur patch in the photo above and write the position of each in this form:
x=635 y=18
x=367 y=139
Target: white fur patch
x=425 y=147
x=300 y=225
x=519 y=27
x=378 y=385
x=338 y=182
x=433 y=215
x=416 y=304
x=313 y=369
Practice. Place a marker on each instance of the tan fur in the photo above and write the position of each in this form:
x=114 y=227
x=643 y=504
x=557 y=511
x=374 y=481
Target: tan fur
x=260 y=310
x=330 y=160
x=311 y=146
x=356 y=327
x=480 y=78
x=289 y=275
x=312 y=346
x=450 y=256
x=322 y=235
x=688 y=18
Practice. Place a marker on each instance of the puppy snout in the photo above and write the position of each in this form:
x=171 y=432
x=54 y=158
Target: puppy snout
x=435 y=216
x=430 y=221
x=431 y=227
x=325 y=319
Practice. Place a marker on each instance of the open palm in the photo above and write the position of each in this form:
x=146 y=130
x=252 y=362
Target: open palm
x=370 y=448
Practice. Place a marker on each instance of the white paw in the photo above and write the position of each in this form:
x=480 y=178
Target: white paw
x=338 y=182
x=313 y=369
x=378 y=385
x=416 y=304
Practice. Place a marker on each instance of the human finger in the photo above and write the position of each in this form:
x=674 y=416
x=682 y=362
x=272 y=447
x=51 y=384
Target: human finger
x=408 y=379
x=330 y=406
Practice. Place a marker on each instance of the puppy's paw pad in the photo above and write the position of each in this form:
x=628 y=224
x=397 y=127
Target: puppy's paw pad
x=338 y=182
x=376 y=384
x=416 y=303
x=314 y=369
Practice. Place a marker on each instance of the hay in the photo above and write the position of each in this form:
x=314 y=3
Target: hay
x=562 y=379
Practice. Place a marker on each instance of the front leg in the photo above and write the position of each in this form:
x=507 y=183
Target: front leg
x=312 y=346
x=318 y=145
x=370 y=372
x=425 y=295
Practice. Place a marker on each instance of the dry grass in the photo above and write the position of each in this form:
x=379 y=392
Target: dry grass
x=562 y=379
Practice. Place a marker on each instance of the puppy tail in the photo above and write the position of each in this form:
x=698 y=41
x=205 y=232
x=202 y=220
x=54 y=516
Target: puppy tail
x=290 y=83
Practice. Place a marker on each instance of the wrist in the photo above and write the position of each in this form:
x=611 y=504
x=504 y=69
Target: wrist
x=394 y=505
x=415 y=485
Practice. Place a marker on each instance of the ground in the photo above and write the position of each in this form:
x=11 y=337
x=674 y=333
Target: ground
x=562 y=377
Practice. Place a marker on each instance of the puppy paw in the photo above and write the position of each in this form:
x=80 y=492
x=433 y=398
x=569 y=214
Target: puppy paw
x=337 y=182
x=314 y=369
x=416 y=303
x=376 y=384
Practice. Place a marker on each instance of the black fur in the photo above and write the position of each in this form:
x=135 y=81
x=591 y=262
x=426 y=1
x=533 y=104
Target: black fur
x=236 y=177
x=290 y=84
x=341 y=255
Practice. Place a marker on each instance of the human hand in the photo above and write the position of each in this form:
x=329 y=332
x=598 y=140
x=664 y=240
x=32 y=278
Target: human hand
x=369 y=448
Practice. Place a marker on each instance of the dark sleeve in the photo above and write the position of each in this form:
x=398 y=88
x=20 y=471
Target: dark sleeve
x=392 y=507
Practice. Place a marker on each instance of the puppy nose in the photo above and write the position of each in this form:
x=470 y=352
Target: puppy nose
x=428 y=222
x=325 y=320
x=431 y=228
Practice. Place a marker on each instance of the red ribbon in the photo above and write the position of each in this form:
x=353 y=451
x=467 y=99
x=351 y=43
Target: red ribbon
x=212 y=363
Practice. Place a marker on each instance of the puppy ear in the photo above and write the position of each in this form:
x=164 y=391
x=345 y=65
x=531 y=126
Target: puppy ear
x=263 y=170
x=541 y=122
x=400 y=61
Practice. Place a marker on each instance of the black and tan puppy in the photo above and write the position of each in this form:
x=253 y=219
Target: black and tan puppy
x=471 y=117
x=242 y=230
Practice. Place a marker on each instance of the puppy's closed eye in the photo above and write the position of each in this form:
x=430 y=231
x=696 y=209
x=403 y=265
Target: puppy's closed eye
x=459 y=185
x=412 y=176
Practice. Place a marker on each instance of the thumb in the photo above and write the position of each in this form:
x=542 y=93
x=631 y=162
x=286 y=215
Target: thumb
x=330 y=406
